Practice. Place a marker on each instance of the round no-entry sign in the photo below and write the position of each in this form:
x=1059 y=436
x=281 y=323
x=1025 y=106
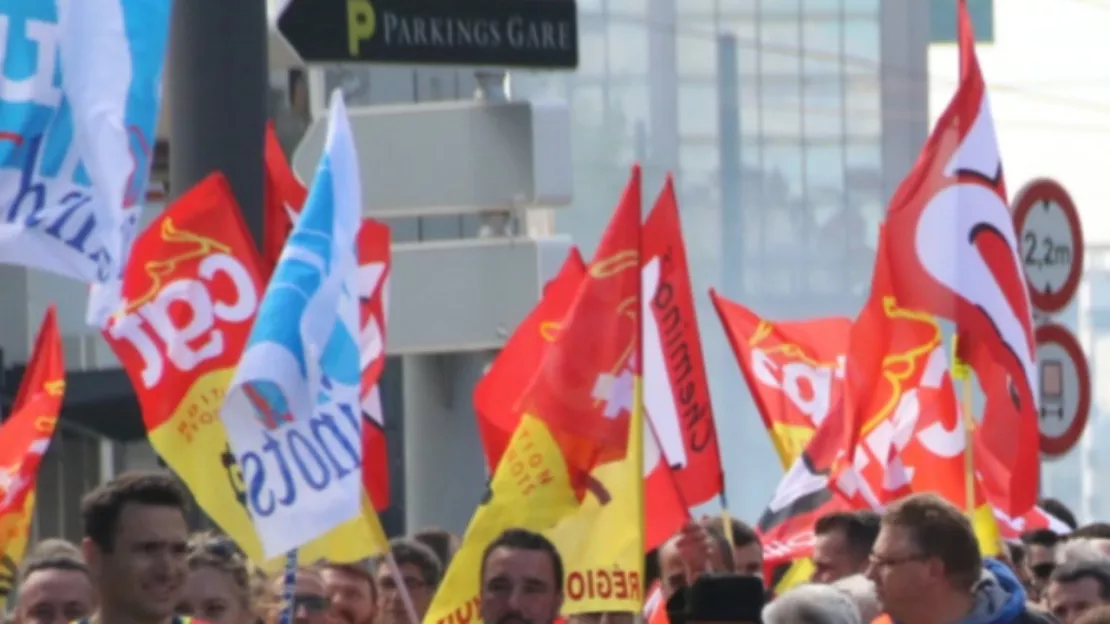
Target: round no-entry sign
x=1065 y=389
x=1050 y=241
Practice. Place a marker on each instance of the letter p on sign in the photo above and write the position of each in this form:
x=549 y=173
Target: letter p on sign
x=360 y=24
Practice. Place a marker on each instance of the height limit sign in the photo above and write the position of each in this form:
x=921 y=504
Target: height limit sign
x=1051 y=243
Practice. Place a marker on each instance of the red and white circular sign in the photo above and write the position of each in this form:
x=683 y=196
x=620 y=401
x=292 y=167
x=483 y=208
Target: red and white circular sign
x=1065 y=389
x=1050 y=242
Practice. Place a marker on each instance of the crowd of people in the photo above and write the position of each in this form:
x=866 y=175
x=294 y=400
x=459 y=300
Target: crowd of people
x=917 y=563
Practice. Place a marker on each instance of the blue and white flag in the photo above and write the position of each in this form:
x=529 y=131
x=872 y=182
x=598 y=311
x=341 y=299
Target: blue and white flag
x=292 y=411
x=80 y=86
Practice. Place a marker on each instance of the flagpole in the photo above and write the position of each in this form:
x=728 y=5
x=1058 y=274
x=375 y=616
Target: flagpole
x=638 y=387
x=289 y=588
x=962 y=372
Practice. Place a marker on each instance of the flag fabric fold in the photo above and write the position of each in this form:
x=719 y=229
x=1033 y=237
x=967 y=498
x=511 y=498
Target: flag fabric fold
x=79 y=97
x=292 y=410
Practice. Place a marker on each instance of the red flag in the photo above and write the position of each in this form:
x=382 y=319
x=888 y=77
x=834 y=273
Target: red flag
x=676 y=388
x=25 y=438
x=497 y=392
x=283 y=198
x=584 y=388
x=795 y=370
x=954 y=253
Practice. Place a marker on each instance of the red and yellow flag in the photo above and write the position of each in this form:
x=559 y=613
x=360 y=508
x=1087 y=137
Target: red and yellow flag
x=191 y=290
x=24 y=439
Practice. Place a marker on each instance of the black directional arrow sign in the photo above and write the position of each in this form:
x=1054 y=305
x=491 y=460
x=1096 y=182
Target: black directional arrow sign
x=536 y=34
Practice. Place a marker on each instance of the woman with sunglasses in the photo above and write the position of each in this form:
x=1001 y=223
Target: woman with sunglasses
x=218 y=588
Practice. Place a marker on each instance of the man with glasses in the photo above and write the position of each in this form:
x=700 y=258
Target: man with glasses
x=927 y=569
x=310 y=599
x=421 y=571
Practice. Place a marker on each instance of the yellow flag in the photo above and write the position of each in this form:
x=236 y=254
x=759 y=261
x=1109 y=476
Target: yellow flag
x=603 y=544
x=531 y=490
x=200 y=456
x=799 y=572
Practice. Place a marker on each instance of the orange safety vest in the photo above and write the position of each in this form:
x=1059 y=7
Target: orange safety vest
x=882 y=619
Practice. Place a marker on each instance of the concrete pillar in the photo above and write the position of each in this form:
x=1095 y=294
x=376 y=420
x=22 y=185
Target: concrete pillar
x=444 y=467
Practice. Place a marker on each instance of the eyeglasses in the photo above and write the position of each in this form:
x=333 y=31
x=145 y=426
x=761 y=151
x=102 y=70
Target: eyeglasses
x=221 y=547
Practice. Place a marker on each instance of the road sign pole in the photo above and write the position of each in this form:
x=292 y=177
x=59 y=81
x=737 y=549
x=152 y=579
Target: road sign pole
x=218 y=82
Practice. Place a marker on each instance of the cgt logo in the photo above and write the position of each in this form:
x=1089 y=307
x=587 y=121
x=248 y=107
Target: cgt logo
x=361 y=24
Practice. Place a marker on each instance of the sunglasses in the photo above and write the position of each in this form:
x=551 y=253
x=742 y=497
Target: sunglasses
x=1043 y=570
x=311 y=603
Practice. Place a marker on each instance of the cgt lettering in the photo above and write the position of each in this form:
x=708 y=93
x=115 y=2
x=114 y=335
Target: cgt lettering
x=182 y=316
x=809 y=388
x=604 y=584
x=329 y=451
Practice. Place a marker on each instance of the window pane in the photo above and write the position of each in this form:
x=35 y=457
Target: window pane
x=587 y=103
x=824 y=109
x=781 y=108
x=861 y=7
x=628 y=47
x=698 y=109
x=749 y=108
x=864 y=115
x=780 y=7
x=696 y=7
x=635 y=8
x=821 y=7
x=822 y=47
x=697 y=55
x=861 y=45
x=630 y=104
x=779 y=50
x=782 y=173
x=824 y=178
x=864 y=172
x=591 y=51
x=699 y=162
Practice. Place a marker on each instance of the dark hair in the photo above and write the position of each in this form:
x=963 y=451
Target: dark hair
x=1058 y=510
x=1016 y=550
x=412 y=552
x=358 y=571
x=1041 y=537
x=742 y=533
x=1074 y=571
x=523 y=539
x=1094 y=530
x=860 y=528
x=101 y=508
x=440 y=541
x=938 y=529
